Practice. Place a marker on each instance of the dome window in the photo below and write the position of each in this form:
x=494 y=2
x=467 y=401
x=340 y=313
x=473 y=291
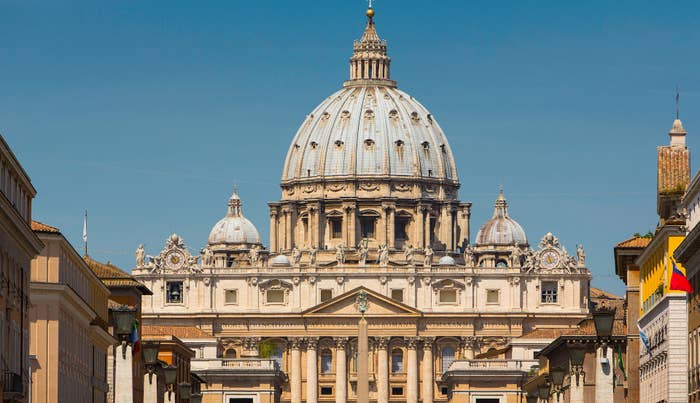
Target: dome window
x=345 y=115
x=443 y=148
x=369 y=144
x=339 y=144
x=325 y=116
x=430 y=118
x=394 y=114
x=314 y=145
x=369 y=114
x=426 y=145
x=414 y=117
x=399 y=144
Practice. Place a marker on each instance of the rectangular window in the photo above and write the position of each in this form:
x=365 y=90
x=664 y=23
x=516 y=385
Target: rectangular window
x=173 y=292
x=448 y=296
x=396 y=391
x=326 y=390
x=231 y=296
x=492 y=296
x=336 y=228
x=549 y=292
x=275 y=296
x=397 y=294
x=326 y=295
x=400 y=228
x=443 y=390
x=367 y=227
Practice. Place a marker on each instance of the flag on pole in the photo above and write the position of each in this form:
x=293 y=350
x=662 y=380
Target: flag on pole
x=135 y=339
x=644 y=338
x=85 y=227
x=678 y=280
x=620 y=361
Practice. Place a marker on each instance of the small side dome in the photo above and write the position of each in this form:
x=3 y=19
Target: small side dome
x=280 y=261
x=446 y=261
x=501 y=229
x=234 y=228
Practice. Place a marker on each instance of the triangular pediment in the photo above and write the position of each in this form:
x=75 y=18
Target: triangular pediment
x=345 y=305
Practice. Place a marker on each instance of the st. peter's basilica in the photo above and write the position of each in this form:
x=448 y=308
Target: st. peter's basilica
x=369 y=230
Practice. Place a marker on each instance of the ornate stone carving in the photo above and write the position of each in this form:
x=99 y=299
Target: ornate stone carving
x=382 y=342
x=309 y=188
x=412 y=342
x=341 y=342
x=383 y=280
x=296 y=280
x=408 y=254
x=581 y=256
x=383 y=255
x=369 y=186
x=339 y=280
x=428 y=343
x=140 y=256
x=340 y=254
x=401 y=187
x=253 y=281
x=411 y=279
x=311 y=343
x=336 y=187
x=173 y=258
x=296 y=342
x=296 y=256
x=427 y=280
x=363 y=252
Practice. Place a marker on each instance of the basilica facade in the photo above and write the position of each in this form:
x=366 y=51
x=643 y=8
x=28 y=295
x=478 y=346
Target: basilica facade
x=368 y=209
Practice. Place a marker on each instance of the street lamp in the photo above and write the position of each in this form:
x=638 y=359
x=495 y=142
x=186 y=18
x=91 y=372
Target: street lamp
x=170 y=377
x=196 y=398
x=185 y=390
x=577 y=354
x=557 y=375
x=603 y=319
x=124 y=318
x=150 y=358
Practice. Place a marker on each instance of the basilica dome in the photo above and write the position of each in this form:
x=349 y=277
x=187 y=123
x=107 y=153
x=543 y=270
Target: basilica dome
x=234 y=228
x=370 y=129
x=501 y=229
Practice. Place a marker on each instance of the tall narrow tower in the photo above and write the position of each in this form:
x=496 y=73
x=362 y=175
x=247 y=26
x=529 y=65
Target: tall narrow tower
x=673 y=173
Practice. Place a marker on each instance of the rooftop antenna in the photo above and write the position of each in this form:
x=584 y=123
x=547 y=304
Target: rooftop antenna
x=678 y=97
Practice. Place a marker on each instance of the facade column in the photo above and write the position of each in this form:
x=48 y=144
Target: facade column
x=311 y=370
x=312 y=229
x=412 y=370
x=382 y=344
x=426 y=231
x=350 y=218
x=295 y=378
x=150 y=388
x=428 y=369
x=123 y=374
x=341 y=373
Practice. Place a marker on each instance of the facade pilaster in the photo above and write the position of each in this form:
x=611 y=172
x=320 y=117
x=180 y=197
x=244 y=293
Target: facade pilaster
x=390 y=224
x=419 y=226
x=412 y=370
x=274 y=220
x=341 y=381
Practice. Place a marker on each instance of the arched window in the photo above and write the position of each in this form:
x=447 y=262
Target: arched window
x=448 y=356
x=396 y=361
x=277 y=355
x=501 y=263
x=326 y=361
x=230 y=353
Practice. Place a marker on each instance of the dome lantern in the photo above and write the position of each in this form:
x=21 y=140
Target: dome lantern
x=370 y=63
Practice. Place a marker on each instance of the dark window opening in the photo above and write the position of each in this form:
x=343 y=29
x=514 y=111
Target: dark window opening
x=336 y=228
x=326 y=295
x=443 y=390
x=400 y=232
x=367 y=227
x=396 y=391
x=326 y=390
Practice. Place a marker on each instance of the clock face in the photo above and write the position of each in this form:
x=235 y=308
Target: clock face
x=549 y=259
x=174 y=260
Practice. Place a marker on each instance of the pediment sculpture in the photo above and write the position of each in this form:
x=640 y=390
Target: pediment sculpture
x=175 y=257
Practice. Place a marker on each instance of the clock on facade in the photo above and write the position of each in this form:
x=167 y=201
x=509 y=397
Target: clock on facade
x=549 y=258
x=174 y=260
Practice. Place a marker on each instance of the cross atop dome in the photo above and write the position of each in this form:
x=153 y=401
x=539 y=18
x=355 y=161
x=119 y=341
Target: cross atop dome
x=370 y=64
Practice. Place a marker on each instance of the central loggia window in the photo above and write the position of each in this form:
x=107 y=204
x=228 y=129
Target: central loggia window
x=326 y=362
x=396 y=361
x=448 y=356
x=173 y=292
x=549 y=292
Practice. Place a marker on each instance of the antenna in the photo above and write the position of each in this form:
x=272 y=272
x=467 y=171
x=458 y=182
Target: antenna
x=678 y=97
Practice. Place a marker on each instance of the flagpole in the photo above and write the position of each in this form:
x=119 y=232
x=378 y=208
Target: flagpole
x=85 y=238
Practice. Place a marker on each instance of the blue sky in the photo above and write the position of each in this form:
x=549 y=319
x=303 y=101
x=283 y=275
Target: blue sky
x=146 y=113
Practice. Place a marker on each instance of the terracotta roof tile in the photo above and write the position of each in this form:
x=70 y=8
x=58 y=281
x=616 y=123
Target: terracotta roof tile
x=634 y=242
x=598 y=293
x=41 y=227
x=181 y=332
x=112 y=276
x=673 y=170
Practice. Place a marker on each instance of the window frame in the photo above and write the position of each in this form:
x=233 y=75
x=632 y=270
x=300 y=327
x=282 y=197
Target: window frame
x=492 y=291
x=554 y=294
x=226 y=294
x=401 y=290
x=167 y=292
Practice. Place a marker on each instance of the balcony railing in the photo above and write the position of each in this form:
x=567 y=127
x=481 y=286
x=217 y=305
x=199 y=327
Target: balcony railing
x=242 y=364
x=12 y=386
x=492 y=365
